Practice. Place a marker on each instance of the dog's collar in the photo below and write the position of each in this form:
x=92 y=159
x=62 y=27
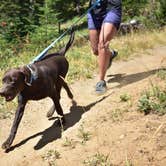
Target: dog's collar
x=33 y=76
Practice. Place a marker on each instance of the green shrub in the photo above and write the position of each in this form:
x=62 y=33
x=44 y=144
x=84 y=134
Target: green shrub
x=83 y=135
x=125 y=97
x=162 y=74
x=153 y=101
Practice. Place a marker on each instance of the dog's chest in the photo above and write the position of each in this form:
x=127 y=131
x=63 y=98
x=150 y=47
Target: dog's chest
x=39 y=90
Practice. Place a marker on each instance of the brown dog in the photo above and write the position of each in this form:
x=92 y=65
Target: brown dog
x=41 y=79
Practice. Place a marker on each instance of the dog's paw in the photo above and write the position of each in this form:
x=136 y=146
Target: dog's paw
x=6 y=145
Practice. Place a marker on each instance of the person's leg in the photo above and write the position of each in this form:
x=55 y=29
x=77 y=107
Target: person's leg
x=100 y=34
x=94 y=40
x=107 y=32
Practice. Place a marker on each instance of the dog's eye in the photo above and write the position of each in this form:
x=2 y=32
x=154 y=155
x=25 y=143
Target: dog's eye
x=14 y=79
x=7 y=80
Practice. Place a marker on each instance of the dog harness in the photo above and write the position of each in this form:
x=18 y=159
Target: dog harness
x=34 y=75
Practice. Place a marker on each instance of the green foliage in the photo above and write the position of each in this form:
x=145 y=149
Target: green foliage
x=150 y=13
x=18 y=18
x=153 y=101
x=84 y=135
x=162 y=74
x=160 y=12
x=51 y=156
x=69 y=143
x=27 y=27
x=21 y=18
x=144 y=104
x=125 y=97
x=132 y=8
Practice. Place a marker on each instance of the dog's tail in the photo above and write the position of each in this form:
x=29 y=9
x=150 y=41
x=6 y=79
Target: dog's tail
x=64 y=49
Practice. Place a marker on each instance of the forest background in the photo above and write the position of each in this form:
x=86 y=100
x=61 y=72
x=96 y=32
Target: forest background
x=28 y=26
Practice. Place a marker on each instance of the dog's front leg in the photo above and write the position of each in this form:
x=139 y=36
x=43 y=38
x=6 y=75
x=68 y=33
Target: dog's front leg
x=18 y=116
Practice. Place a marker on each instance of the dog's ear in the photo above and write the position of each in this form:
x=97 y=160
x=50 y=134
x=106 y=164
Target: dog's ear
x=27 y=75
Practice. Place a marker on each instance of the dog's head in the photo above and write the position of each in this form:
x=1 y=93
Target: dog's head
x=13 y=82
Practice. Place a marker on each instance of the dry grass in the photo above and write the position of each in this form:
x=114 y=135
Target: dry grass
x=83 y=62
x=138 y=42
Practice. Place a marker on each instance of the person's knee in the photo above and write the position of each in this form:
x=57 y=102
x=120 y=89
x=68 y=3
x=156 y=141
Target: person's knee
x=103 y=47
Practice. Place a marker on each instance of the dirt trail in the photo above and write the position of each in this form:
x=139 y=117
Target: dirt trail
x=123 y=137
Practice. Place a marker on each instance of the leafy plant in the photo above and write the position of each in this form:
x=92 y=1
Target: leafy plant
x=125 y=97
x=153 y=101
x=162 y=74
x=144 y=104
x=69 y=143
x=84 y=135
x=51 y=156
x=18 y=18
x=97 y=160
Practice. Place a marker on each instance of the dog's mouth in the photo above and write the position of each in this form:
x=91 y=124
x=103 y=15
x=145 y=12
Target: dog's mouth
x=8 y=92
x=8 y=96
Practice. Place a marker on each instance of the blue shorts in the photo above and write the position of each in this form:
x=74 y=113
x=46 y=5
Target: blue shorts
x=96 y=21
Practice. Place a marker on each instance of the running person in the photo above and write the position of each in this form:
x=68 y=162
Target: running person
x=103 y=22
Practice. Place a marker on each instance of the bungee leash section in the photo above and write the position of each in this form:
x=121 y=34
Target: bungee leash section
x=41 y=55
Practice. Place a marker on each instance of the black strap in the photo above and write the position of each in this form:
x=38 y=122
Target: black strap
x=101 y=7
